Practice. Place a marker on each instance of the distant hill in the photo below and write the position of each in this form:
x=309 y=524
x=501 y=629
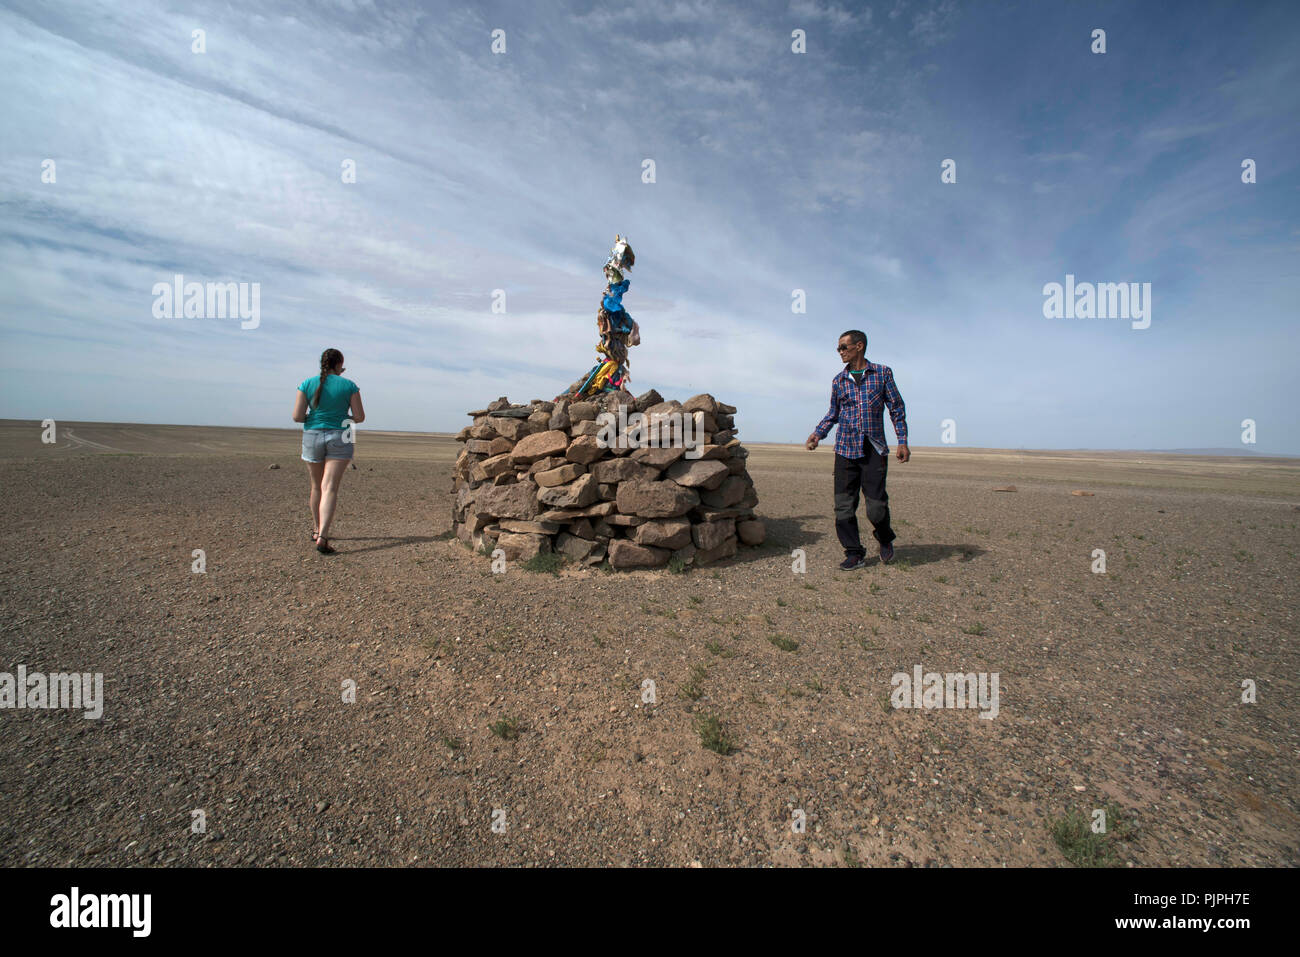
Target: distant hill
x=1240 y=450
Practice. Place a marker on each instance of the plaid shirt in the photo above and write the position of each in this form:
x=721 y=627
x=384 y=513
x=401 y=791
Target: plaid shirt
x=858 y=410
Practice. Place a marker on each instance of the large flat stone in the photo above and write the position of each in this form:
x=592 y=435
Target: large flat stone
x=559 y=476
x=580 y=492
x=626 y=554
x=520 y=548
x=613 y=471
x=656 y=457
x=513 y=429
x=700 y=473
x=655 y=499
x=507 y=501
x=598 y=510
x=538 y=446
x=663 y=532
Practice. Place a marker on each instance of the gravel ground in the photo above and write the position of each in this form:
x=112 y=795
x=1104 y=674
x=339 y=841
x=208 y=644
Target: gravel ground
x=223 y=689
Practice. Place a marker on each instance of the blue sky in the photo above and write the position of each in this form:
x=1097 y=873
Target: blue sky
x=775 y=171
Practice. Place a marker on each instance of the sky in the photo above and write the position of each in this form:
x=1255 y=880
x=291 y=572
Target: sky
x=773 y=171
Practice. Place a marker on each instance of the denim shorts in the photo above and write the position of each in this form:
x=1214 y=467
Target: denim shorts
x=321 y=444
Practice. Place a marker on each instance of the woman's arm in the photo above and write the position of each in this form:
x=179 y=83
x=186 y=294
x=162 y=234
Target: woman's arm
x=358 y=412
x=300 y=407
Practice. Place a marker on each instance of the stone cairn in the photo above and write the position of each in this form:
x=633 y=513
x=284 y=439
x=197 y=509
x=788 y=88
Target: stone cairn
x=535 y=478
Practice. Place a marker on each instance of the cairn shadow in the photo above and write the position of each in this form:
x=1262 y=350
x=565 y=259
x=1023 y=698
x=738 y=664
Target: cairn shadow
x=783 y=534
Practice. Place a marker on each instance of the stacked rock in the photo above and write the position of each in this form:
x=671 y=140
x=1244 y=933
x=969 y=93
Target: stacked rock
x=579 y=478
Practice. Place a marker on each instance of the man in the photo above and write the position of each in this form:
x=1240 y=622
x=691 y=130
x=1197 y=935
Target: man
x=859 y=394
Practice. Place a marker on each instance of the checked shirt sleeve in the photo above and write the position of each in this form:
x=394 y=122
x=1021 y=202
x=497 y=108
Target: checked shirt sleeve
x=831 y=418
x=897 y=411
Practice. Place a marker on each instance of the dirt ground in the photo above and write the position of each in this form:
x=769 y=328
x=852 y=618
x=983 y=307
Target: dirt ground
x=223 y=689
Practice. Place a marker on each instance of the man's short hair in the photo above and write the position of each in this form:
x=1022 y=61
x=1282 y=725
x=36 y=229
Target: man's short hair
x=855 y=336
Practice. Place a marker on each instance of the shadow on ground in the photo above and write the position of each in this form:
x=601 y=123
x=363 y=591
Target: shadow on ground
x=925 y=554
x=391 y=541
x=783 y=535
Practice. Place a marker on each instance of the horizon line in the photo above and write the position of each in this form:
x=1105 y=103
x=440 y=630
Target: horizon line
x=1208 y=452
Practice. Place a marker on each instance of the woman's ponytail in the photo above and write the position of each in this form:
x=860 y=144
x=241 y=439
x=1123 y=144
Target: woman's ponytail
x=330 y=360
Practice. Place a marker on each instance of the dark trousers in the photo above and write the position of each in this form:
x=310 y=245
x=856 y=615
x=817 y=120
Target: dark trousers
x=868 y=475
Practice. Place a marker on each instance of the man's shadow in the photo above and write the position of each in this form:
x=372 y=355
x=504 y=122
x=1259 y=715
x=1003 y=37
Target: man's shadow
x=925 y=554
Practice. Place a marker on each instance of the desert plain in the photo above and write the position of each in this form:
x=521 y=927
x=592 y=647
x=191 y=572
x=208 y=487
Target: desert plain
x=502 y=718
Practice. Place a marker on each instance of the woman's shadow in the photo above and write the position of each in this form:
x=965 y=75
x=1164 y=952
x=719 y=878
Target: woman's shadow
x=390 y=541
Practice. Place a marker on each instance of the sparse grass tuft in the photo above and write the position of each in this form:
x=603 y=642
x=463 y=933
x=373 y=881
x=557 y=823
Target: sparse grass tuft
x=975 y=629
x=785 y=644
x=544 y=562
x=507 y=728
x=1074 y=836
x=716 y=647
x=676 y=566
x=713 y=735
x=694 y=686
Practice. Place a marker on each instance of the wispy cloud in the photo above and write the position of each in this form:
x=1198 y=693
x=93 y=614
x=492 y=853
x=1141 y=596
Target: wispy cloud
x=775 y=171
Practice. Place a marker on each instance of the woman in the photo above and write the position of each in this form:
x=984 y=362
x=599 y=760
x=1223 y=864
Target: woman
x=323 y=402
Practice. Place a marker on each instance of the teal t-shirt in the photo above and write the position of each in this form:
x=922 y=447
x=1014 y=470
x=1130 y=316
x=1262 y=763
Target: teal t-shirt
x=335 y=399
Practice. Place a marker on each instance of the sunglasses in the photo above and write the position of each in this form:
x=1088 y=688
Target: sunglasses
x=844 y=348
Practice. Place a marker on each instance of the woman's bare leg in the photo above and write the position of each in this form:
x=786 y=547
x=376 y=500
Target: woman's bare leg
x=315 y=470
x=334 y=469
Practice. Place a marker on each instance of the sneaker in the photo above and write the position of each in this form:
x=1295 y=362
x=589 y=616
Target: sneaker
x=886 y=554
x=852 y=562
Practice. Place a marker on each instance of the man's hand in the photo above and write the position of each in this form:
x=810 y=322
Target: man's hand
x=903 y=453
x=812 y=442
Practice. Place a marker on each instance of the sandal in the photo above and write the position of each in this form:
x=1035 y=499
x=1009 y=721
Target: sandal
x=324 y=549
